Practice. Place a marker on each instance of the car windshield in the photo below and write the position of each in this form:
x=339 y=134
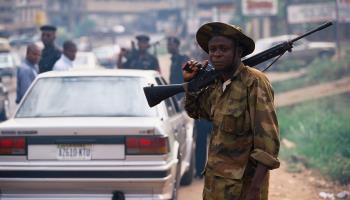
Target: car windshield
x=87 y=97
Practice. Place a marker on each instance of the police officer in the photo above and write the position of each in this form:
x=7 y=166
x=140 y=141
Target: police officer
x=50 y=54
x=244 y=142
x=177 y=60
x=138 y=58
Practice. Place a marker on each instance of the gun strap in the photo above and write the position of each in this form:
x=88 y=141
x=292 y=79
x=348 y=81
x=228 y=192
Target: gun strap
x=274 y=61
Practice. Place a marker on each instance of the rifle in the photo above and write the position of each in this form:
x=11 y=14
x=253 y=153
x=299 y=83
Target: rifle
x=156 y=94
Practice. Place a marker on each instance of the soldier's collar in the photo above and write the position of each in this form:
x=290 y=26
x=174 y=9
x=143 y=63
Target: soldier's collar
x=238 y=71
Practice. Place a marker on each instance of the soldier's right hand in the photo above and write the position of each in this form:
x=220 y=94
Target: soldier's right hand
x=190 y=70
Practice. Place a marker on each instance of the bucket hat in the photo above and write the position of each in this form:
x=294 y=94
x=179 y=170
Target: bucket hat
x=208 y=30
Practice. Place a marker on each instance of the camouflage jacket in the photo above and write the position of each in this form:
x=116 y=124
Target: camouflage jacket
x=244 y=121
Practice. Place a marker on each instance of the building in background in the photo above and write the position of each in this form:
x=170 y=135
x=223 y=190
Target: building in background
x=21 y=16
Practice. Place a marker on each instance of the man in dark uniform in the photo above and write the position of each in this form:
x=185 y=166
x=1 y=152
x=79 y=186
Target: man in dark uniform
x=50 y=54
x=203 y=127
x=140 y=58
x=177 y=60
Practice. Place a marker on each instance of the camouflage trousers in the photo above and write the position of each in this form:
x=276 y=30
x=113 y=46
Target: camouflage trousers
x=220 y=188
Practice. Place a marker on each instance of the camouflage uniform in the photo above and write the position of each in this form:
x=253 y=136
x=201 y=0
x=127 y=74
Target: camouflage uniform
x=245 y=131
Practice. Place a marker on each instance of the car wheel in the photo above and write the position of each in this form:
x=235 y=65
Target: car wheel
x=188 y=176
x=177 y=179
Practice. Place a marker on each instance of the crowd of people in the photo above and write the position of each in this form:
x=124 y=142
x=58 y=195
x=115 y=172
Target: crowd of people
x=39 y=61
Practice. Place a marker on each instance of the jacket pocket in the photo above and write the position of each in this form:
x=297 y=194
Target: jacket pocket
x=233 y=121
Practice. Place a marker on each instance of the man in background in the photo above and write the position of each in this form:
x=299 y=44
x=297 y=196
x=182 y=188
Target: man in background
x=203 y=127
x=50 y=54
x=138 y=58
x=66 y=60
x=177 y=60
x=27 y=72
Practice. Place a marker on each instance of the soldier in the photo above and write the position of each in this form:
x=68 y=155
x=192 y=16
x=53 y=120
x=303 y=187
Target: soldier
x=50 y=54
x=138 y=58
x=244 y=142
x=177 y=60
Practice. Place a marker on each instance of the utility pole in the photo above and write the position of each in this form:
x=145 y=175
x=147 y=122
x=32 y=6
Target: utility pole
x=337 y=28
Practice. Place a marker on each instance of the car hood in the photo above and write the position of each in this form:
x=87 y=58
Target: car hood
x=80 y=126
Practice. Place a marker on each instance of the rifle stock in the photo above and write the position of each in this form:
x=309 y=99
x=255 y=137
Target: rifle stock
x=156 y=94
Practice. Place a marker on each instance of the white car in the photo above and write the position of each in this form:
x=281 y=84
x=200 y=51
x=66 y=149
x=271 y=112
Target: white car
x=107 y=55
x=303 y=50
x=85 y=61
x=91 y=135
x=9 y=62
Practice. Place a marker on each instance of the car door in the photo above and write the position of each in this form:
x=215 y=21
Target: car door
x=176 y=119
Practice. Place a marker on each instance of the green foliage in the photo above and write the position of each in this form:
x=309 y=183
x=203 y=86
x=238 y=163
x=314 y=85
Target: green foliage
x=319 y=71
x=321 y=131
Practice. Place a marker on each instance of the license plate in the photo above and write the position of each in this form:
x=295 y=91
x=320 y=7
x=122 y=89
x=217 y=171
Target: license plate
x=74 y=151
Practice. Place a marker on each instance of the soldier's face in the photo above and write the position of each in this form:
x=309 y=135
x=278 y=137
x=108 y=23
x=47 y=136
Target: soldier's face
x=222 y=52
x=48 y=37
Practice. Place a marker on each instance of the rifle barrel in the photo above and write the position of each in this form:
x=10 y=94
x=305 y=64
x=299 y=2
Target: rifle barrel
x=323 y=26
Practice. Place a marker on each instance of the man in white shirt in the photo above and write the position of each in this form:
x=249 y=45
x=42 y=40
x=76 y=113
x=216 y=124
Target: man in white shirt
x=66 y=60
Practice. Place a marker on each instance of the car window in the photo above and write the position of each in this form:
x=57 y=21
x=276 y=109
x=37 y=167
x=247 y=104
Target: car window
x=170 y=107
x=164 y=81
x=158 y=81
x=86 y=97
x=176 y=104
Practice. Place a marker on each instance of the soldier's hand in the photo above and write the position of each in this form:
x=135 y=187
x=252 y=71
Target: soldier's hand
x=190 y=69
